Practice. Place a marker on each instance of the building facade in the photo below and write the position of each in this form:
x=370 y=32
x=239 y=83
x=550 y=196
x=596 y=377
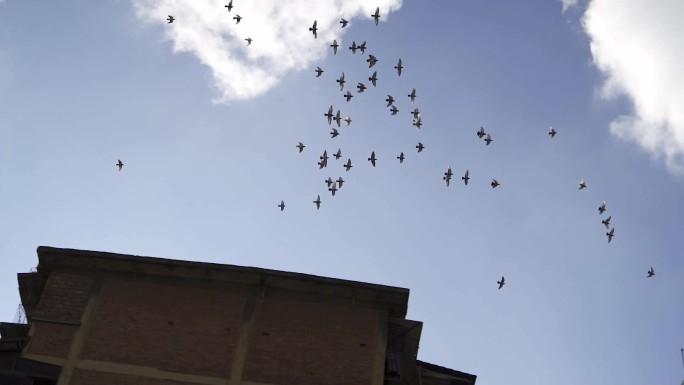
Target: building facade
x=104 y=318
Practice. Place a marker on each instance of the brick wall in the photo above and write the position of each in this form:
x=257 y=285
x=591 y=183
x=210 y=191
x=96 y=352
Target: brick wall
x=90 y=377
x=64 y=297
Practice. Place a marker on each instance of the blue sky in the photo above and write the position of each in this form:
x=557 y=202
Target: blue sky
x=207 y=131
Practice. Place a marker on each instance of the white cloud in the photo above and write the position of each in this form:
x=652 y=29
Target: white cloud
x=568 y=4
x=279 y=29
x=637 y=44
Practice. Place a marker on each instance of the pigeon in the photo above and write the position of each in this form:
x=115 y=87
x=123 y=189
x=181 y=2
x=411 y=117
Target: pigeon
x=334 y=133
x=552 y=132
x=348 y=96
x=481 y=133
x=418 y=122
x=376 y=15
x=394 y=110
x=362 y=47
x=361 y=87
x=371 y=60
x=373 y=78
x=401 y=158
x=340 y=181
x=329 y=115
x=389 y=100
x=416 y=113
x=502 y=282
x=651 y=273
x=348 y=166
x=611 y=234
x=372 y=158
x=249 y=41
x=329 y=181
x=170 y=19
x=398 y=67
x=466 y=177
x=333 y=189
x=282 y=205
x=338 y=154
x=338 y=118
x=602 y=208
x=334 y=46
x=341 y=81
x=229 y=6
x=314 y=29
x=447 y=176
x=319 y=71
x=488 y=139
x=318 y=202
x=324 y=160
x=582 y=184
x=300 y=146
x=237 y=19
x=495 y=183
x=606 y=222
x=347 y=120
x=343 y=22
x=119 y=164
x=420 y=147
x=412 y=95
x=353 y=47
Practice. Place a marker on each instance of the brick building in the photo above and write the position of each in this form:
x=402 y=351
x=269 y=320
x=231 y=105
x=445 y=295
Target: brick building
x=103 y=318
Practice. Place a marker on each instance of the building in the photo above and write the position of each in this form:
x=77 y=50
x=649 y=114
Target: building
x=104 y=318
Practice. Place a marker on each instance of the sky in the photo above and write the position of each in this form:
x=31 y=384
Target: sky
x=206 y=127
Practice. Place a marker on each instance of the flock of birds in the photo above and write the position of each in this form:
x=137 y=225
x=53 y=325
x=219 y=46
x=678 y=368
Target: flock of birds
x=335 y=185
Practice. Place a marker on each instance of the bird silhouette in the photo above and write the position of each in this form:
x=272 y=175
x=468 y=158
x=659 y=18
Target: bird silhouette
x=481 y=133
x=602 y=208
x=229 y=6
x=343 y=22
x=389 y=100
x=412 y=95
x=582 y=184
x=502 y=282
x=420 y=147
x=318 y=202
x=334 y=46
x=119 y=164
x=237 y=19
x=249 y=41
x=466 y=177
x=495 y=183
x=170 y=19
x=300 y=146
x=282 y=205
x=348 y=96
x=611 y=234
x=552 y=132
x=606 y=222
x=651 y=273
x=348 y=166
x=314 y=29
x=488 y=139
x=401 y=158
x=372 y=158
x=398 y=67
x=376 y=15
x=319 y=71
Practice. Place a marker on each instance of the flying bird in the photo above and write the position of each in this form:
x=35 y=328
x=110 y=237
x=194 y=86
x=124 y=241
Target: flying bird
x=401 y=158
x=416 y=113
x=394 y=110
x=319 y=71
x=334 y=133
x=362 y=47
x=119 y=164
x=502 y=282
x=481 y=133
x=248 y=40
x=372 y=158
x=318 y=202
x=466 y=177
x=324 y=160
x=338 y=154
x=329 y=181
x=282 y=205
x=237 y=19
x=389 y=100
x=398 y=67
x=361 y=87
x=341 y=81
x=420 y=147
x=602 y=208
x=373 y=78
x=611 y=234
x=488 y=139
x=338 y=118
x=334 y=46
x=412 y=95
x=418 y=122
x=340 y=181
x=170 y=19
x=376 y=15
x=651 y=273
x=329 y=114
x=300 y=146
x=447 y=176
x=552 y=132
x=606 y=222
x=333 y=189
x=371 y=60
x=347 y=120
x=229 y=6
x=353 y=47
x=348 y=96
x=495 y=183
x=343 y=22
x=314 y=29
x=348 y=166
x=582 y=184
